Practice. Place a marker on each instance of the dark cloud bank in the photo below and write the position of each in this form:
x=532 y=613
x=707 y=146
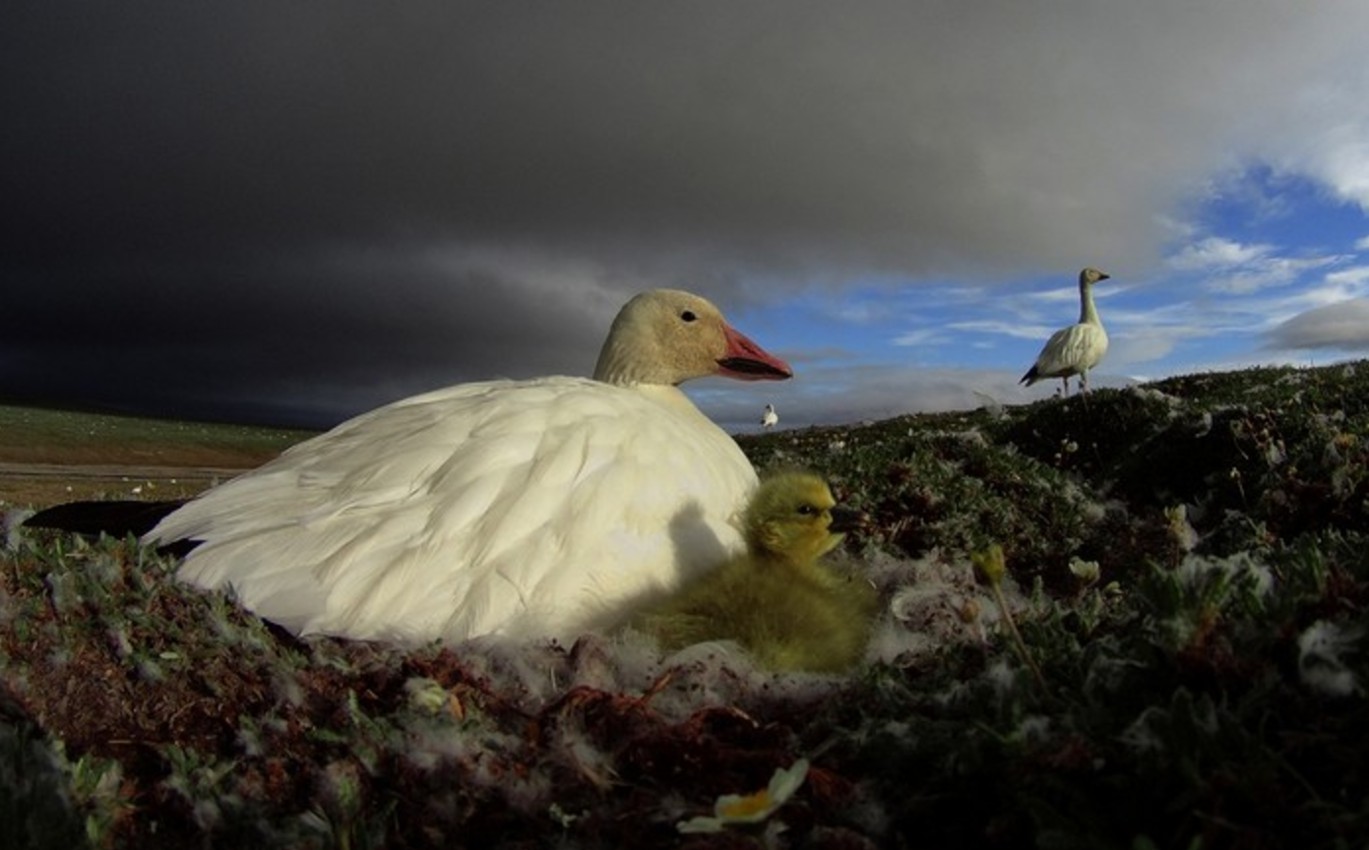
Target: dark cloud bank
x=296 y=211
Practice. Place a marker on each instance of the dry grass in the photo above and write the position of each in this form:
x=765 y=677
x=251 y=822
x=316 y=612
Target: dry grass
x=52 y=456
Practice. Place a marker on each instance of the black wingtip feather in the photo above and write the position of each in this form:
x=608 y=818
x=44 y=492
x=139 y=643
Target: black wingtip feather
x=115 y=518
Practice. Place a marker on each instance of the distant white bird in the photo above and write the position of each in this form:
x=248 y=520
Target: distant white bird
x=1078 y=348
x=540 y=508
x=770 y=418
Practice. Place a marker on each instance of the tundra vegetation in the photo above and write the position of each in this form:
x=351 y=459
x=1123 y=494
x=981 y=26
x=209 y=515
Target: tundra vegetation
x=1127 y=620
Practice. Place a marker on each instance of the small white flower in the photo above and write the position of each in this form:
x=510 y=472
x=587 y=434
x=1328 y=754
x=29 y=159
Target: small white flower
x=1320 y=662
x=1086 y=571
x=561 y=816
x=1180 y=531
x=740 y=810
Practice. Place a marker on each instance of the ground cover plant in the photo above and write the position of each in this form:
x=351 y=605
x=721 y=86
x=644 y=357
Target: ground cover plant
x=1127 y=621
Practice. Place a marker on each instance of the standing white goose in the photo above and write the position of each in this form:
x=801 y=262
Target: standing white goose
x=769 y=419
x=540 y=508
x=1078 y=348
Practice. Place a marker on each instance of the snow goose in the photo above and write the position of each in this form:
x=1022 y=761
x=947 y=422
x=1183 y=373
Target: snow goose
x=769 y=419
x=537 y=508
x=778 y=600
x=1078 y=348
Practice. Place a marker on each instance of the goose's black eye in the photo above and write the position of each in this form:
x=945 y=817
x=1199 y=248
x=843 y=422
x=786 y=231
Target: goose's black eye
x=688 y=316
x=807 y=510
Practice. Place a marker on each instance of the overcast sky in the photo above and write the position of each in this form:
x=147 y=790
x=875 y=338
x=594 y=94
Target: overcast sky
x=296 y=211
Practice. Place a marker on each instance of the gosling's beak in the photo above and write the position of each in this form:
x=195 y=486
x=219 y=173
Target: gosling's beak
x=847 y=519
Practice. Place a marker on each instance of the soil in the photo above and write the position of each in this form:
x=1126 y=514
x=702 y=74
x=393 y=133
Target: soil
x=57 y=475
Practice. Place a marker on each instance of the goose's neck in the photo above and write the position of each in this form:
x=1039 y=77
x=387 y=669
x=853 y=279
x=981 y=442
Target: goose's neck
x=616 y=367
x=1088 y=312
x=672 y=397
x=626 y=364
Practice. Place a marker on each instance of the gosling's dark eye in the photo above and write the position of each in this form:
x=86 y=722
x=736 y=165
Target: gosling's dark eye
x=807 y=510
x=688 y=316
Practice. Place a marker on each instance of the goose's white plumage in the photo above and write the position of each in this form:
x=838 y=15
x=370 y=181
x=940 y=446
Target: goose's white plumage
x=769 y=419
x=540 y=508
x=1078 y=348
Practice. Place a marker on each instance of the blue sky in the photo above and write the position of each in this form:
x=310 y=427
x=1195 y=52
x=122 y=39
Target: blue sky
x=1265 y=268
x=296 y=212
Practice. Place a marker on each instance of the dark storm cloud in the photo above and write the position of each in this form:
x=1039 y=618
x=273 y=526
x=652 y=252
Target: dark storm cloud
x=751 y=129
x=243 y=199
x=302 y=342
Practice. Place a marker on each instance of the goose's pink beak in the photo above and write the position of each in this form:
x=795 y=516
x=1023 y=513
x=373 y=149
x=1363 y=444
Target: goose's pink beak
x=746 y=361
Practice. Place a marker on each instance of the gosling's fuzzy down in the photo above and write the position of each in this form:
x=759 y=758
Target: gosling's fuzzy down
x=779 y=601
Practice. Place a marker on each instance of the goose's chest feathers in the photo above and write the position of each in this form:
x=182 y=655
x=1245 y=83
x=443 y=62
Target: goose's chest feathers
x=534 y=508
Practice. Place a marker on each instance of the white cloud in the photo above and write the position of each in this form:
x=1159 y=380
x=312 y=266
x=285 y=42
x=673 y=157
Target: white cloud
x=1125 y=351
x=1226 y=267
x=1268 y=273
x=1215 y=252
x=1340 y=286
x=1064 y=294
x=1342 y=326
x=1336 y=152
x=860 y=312
x=1005 y=328
x=1353 y=277
x=1348 y=168
x=920 y=337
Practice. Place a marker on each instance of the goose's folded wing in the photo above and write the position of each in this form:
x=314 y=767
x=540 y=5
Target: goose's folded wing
x=1082 y=346
x=527 y=508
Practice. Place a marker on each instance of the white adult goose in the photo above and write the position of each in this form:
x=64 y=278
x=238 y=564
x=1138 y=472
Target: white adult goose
x=769 y=418
x=539 y=508
x=1078 y=348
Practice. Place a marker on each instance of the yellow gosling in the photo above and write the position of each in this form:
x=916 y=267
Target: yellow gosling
x=779 y=600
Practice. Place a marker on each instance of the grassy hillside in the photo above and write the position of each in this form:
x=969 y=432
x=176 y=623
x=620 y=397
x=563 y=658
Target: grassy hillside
x=40 y=435
x=1187 y=568
x=107 y=456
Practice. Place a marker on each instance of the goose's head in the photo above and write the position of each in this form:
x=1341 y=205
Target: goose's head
x=791 y=518
x=666 y=336
x=1090 y=276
